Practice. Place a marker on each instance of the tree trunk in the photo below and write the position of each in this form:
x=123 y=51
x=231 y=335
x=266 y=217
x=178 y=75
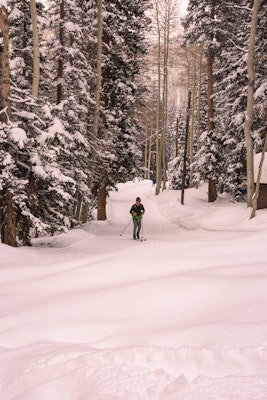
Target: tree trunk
x=165 y=91
x=249 y=111
x=8 y=228
x=5 y=108
x=146 y=147
x=185 y=147
x=8 y=216
x=158 y=139
x=101 y=205
x=212 y=192
x=212 y=196
x=36 y=55
x=150 y=151
x=60 y=61
x=176 y=137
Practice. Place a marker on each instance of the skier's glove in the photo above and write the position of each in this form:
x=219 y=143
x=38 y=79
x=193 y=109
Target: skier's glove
x=134 y=214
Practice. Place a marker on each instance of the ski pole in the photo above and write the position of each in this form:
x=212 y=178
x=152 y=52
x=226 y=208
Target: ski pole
x=125 y=228
x=142 y=227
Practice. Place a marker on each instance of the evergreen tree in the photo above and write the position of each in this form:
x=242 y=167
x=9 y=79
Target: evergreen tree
x=45 y=159
x=230 y=97
x=176 y=165
x=124 y=25
x=48 y=145
x=231 y=88
x=223 y=150
x=201 y=27
x=68 y=48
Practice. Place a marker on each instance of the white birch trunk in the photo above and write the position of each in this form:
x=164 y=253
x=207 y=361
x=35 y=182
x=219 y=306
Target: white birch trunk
x=158 y=153
x=165 y=91
x=250 y=95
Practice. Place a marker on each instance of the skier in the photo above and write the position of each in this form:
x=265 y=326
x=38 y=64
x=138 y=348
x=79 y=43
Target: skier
x=137 y=210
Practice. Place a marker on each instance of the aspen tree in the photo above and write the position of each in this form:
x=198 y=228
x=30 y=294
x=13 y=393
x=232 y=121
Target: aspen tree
x=250 y=95
x=212 y=192
x=158 y=136
x=166 y=41
x=164 y=14
x=7 y=217
x=102 y=194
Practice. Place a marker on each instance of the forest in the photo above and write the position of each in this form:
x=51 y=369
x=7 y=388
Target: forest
x=98 y=92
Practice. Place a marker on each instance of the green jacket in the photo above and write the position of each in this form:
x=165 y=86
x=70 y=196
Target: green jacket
x=137 y=211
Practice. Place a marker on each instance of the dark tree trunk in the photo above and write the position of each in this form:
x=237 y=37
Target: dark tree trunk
x=212 y=191
x=8 y=219
x=185 y=146
x=60 y=61
x=210 y=59
x=101 y=207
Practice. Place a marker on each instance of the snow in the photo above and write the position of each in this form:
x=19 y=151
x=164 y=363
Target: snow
x=19 y=136
x=257 y=160
x=92 y=315
x=3 y=3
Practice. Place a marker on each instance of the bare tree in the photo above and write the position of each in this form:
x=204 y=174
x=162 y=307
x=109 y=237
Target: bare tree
x=166 y=44
x=212 y=192
x=250 y=95
x=165 y=12
x=7 y=215
x=158 y=146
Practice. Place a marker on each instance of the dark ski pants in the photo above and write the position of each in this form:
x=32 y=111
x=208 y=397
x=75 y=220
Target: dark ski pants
x=137 y=227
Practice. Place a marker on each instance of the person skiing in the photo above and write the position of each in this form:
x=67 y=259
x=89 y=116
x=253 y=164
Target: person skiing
x=137 y=210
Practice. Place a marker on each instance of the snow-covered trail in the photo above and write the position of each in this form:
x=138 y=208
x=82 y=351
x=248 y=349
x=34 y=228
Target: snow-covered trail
x=155 y=224
x=92 y=315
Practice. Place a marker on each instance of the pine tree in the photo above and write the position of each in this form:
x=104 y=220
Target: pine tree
x=69 y=49
x=201 y=28
x=176 y=165
x=46 y=160
x=48 y=147
x=230 y=90
x=124 y=24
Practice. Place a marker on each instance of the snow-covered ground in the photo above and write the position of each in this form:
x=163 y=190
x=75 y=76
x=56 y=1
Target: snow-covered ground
x=92 y=315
